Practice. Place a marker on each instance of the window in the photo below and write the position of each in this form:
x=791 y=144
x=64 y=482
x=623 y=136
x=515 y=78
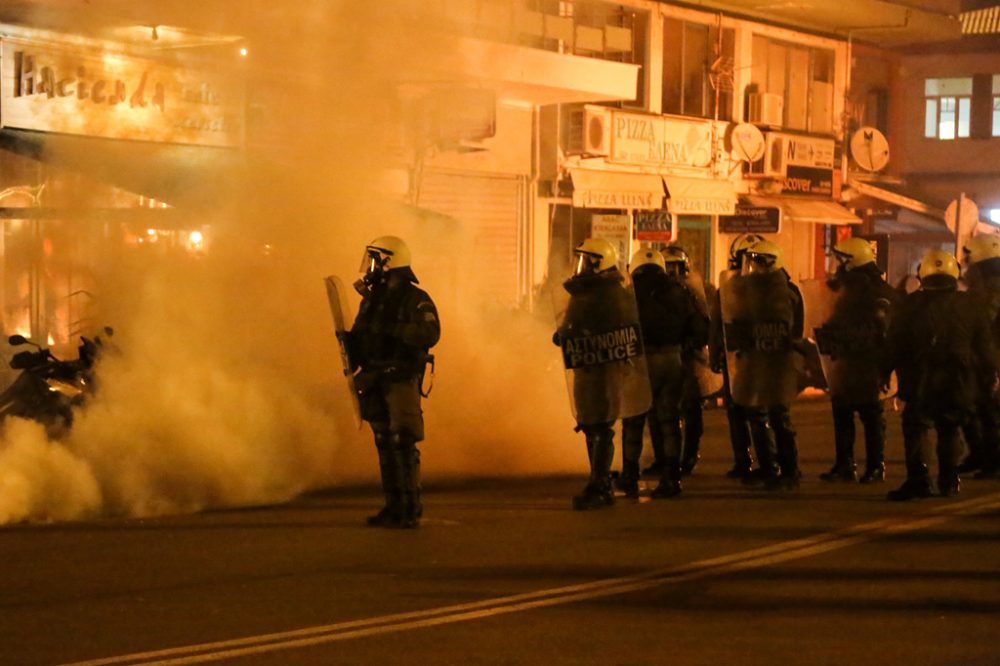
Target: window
x=801 y=76
x=996 y=105
x=947 y=108
x=697 y=69
x=588 y=28
x=995 y=215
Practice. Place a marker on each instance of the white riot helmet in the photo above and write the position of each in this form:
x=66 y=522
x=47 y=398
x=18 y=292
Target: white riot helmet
x=854 y=252
x=595 y=255
x=384 y=254
x=981 y=247
x=646 y=256
x=677 y=260
x=763 y=257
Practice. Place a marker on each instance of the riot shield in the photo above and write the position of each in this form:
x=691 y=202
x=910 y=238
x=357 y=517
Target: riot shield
x=338 y=300
x=849 y=328
x=602 y=348
x=697 y=369
x=757 y=317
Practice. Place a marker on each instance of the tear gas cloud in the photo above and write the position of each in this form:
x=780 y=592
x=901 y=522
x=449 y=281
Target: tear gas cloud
x=225 y=388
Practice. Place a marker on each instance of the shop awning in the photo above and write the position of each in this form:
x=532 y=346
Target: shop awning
x=896 y=198
x=699 y=196
x=614 y=189
x=910 y=222
x=810 y=211
x=179 y=175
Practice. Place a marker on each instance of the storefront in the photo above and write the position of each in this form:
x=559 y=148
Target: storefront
x=654 y=180
x=100 y=152
x=791 y=200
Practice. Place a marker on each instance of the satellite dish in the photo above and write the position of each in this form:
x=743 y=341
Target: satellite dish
x=747 y=142
x=870 y=149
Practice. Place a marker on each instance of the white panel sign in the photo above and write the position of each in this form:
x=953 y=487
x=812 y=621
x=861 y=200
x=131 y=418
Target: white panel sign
x=808 y=151
x=657 y=140
x=617 y=230
x=59 y=88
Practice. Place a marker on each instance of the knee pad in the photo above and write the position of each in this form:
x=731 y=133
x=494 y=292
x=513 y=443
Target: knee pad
x=382 y=439
x=404 y=442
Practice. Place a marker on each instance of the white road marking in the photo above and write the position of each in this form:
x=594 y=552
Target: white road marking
x=751 y=559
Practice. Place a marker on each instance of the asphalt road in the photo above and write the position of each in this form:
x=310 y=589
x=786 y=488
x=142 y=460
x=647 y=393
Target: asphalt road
x=503 y=572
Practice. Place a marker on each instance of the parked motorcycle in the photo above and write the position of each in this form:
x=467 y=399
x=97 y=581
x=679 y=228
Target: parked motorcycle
x=48 y=389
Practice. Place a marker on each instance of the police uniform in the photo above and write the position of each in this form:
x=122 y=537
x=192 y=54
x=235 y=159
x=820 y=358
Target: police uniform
x=671 y=322
x=762 y=319
x=852 y=342
x=942 y=351
x=397 y=324
x=600 y=336
x=982 y=430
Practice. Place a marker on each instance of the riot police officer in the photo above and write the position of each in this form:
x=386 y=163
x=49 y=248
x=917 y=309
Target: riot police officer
x=851 y=342
x=941 y=349
x=699 y=381
x=603 y=353
x=739 y=429
x=763 y=319
x=981 y=259
x=670 y=322
x=397 y=324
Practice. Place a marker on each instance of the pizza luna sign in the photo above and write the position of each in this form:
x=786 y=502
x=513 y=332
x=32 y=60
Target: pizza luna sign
x=602 y=348
x=658 y=141
x=58 y=89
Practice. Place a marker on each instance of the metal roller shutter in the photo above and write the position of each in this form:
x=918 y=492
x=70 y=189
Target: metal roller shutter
x=490 y=209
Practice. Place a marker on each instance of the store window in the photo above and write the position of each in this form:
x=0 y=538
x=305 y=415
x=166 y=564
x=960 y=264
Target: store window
x=947 y=108
x=996 y=105
x=793 y=85
x=697 y=69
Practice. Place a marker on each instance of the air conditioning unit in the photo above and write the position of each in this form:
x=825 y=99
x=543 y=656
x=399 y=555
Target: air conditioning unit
x=587 y=131
x=773 y=164
x=766 y=109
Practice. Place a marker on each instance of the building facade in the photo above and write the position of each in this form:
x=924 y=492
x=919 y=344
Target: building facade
x=698 y=124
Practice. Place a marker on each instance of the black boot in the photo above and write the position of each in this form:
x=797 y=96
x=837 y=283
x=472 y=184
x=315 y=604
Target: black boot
x=766 y=448
x=670 y=482
x=916 y=486
x=598 y=494
x=628 y=482
x=656 y=443
x=740 y=440
x=873 y=420
x=390 y=513
x=948 y=483
x=874 y=474
x=844 y=469
x=846 y=472
x=787 y=448
x=407 y=459
x=694 y=428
